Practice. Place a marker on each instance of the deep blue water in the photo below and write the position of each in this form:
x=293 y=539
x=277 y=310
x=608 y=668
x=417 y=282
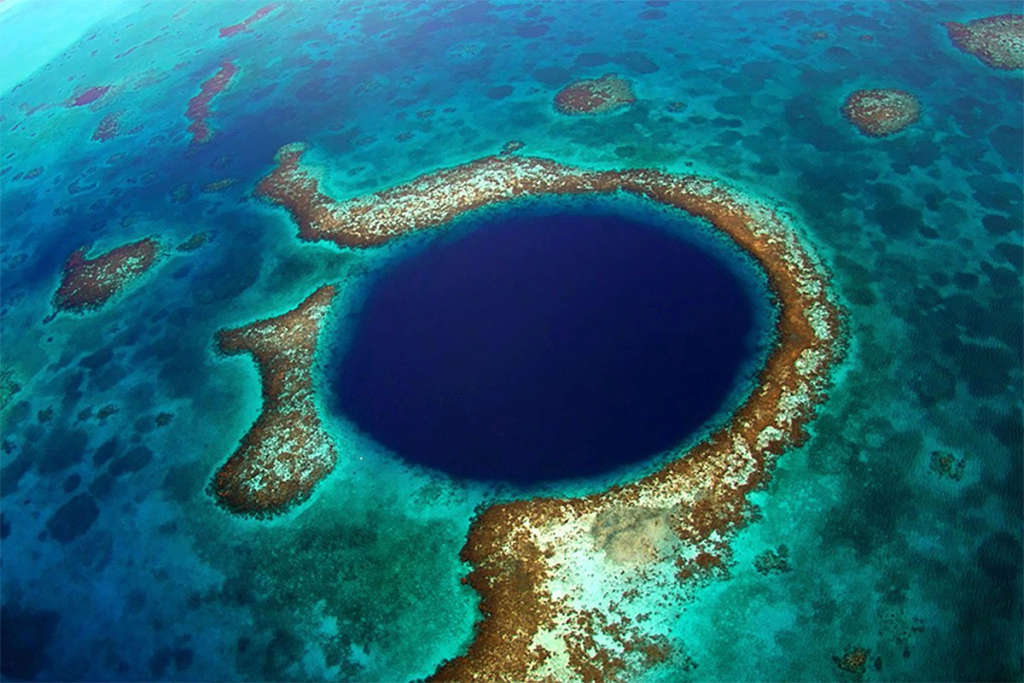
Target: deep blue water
x=545 y=346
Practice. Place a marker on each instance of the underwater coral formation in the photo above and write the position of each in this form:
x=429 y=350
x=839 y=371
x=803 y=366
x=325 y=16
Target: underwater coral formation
x=997 y=41
x=594 y=96
x=88 y=283
x=286 y=452
x=532 y=559
x=198 y=110
x=881 y=112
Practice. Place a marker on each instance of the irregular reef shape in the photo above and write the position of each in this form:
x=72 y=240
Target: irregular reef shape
x=594 y=96
x=108 y=127
x=511 y=147
x=87 y=283
x=947 y=465
x=88 y=96
x=286 y=452
x=567 y=585
x=855 y=661
x=218 y=185
x=997 y=41
x=194 y=242
x=198 y=110
x=8 y=387
x=243 y=26
x=881 y=112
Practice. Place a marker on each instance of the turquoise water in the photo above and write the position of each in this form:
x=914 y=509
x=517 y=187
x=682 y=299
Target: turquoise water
x=117 y=564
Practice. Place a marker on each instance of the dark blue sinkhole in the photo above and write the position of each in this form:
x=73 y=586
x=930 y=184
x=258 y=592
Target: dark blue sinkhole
x=540 y=345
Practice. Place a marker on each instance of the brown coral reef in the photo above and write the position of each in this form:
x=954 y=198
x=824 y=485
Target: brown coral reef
x=997 y=41
x=560 y=580
x=88 y=283
x=881 y=112
x=286 y=452
x=595 y=96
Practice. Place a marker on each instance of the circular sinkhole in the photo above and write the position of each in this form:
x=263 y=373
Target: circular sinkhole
x=537 y=343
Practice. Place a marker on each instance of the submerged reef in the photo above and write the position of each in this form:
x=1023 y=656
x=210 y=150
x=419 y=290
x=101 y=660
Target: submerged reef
x=8 y=387
x=89 y=283
x=195 y=241
x=855 y=661
x=198 y=110
x=511 y=147
x=594 y=96
x=87 y=96
x=565 y=583
x=881 y=112
x=286 y=452
x=108 y=127
x=997 y=41
x=947 y=465
x=243 y=26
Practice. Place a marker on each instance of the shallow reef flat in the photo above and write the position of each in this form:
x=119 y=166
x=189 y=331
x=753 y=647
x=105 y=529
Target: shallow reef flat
x=88 y=283
x=286 y=452
x=997 y=41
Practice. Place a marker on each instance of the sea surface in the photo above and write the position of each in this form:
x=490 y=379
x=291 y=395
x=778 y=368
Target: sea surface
x=896 y=528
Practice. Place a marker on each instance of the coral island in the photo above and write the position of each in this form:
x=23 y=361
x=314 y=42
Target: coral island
x=594 y=96
x=561 y=580
x=88 y=283
x=881 y=112
x=286 y=452
x=997 y=41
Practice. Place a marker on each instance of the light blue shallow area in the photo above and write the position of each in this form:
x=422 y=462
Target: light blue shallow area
x=33 y=32
x=922 y=233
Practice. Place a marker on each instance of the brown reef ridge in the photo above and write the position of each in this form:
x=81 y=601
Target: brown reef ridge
x=997 y=41
x=198 y=110
x=566 y=585
x=595 y=96
x=881 y=112
x=88 y=283
x=286 y=452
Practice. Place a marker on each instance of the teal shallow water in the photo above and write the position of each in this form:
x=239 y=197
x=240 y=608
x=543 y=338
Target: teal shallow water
x=922 y=233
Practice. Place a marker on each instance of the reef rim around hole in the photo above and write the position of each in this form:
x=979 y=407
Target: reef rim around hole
x=546 y=568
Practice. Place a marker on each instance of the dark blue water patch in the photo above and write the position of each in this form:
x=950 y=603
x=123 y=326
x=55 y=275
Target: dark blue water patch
x=534 y=346
x=552 y=76
x=72 y=482
x=637 y=62
x=105 y=452
x=98 y=359
x=236 y=268
x=12 y=472
x=162 y=661
x=590 y=59
x=27 y=635
x=73 y=518
x=132 y=461
x=62 y=449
